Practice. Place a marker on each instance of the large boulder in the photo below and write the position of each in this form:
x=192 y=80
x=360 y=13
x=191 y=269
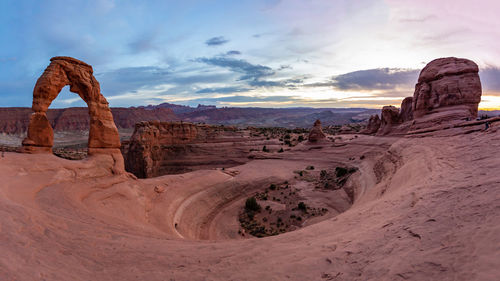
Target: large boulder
x=447 y=89
x=316 y=134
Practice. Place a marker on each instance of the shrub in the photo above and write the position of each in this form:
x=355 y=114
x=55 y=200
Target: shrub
x=340 y=172
x=272 y=186
x=252 y=205
x=323 y=174
x=287 y=137
x=264 y=148
x=301 y=138
x=281 y=150
x=302 y=206
x=310 y=168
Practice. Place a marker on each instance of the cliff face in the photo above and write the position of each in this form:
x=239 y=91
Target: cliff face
x=15 y=120
x=159 y=148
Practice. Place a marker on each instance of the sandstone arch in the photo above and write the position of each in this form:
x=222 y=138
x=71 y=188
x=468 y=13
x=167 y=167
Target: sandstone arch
x=63 y=71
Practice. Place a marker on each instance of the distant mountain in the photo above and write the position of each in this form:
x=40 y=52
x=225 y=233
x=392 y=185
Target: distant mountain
x=278 y=117
x=14 y=120
x=179 y=109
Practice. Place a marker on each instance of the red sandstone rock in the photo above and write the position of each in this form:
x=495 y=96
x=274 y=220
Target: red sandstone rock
x=406 y=113
x=447 y=89
x=159 y=148
x=78 y=75
x=316 y=134
x=390 y=118
x=373 y=125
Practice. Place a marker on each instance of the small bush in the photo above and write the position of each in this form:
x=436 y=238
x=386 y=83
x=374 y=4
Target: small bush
x=323 y=174
x=264 y=149
x=340 y=172
x=310 y=168
x=302 y=206
x=301 y=138
x=272 y=186
x=281 y=150
x=252 y=205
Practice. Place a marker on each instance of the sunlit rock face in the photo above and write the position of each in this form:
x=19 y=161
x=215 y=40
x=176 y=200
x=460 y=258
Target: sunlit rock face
x=447 y=89
x=79 y=76
x=104 y=141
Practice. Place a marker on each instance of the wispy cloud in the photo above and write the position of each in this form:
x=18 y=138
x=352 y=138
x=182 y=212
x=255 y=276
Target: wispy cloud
x=216 y=41
x=249 y=71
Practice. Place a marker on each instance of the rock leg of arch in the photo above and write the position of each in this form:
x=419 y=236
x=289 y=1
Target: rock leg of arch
x=62 y=71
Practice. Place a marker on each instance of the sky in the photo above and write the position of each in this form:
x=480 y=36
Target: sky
x=259 y=53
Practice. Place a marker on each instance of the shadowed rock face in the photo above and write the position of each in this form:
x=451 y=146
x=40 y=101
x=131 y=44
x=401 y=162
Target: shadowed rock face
x=316 y=134
x=79 y=76
x=406 y=113
x=390 y=118
x=373 y=125
x=447 y=88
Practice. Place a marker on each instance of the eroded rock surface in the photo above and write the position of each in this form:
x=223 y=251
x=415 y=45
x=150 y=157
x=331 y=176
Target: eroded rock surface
x=373 y=125
x=79 y=76
x=316 y=134
x=447 y=89
x=159 y=148
x=390 y=118
x=406 y=112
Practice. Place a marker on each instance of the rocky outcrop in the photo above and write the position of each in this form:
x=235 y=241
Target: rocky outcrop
x=406 y=111
x=390 y=118
x=62 y=71
x=316 y=134
x=373 y=125
x=79 y=76
x=159 y=148
x=448 y=89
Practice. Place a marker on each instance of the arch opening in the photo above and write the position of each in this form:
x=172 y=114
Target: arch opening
x=66 y=71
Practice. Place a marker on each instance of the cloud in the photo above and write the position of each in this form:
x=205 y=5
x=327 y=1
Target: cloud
x=490 y=78
x=233 y=53
x=223 y=90
x=216 y=41
x=375 y=79
x=249 y=71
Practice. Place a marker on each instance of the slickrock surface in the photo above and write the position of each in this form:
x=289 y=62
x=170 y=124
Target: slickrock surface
x=424 y=209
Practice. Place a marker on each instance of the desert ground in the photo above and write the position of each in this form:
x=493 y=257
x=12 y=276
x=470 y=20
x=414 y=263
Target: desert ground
x=425 y=207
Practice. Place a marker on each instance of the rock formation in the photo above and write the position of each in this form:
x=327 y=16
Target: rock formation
x=62 y=71
x=373 y=125
x=390 y=118
x=159 y=148
x=406 y=112
x=316 y=134
x=447 y=89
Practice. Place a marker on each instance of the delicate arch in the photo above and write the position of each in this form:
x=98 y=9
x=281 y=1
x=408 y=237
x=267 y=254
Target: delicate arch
x=79 y=76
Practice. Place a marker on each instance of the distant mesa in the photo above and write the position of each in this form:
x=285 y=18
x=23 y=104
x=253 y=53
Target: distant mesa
x=448 y=90
x=316 y=134
x=62 y=71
